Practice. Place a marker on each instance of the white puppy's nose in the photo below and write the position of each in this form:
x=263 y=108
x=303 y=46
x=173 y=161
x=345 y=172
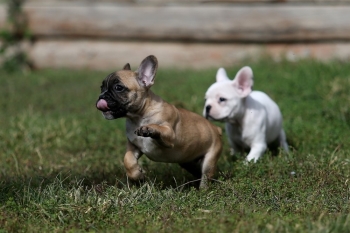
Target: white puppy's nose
x=207 y=108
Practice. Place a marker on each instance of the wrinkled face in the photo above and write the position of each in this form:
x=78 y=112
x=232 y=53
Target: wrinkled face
x=119 y=94
x=123 y=93
x=221 y=101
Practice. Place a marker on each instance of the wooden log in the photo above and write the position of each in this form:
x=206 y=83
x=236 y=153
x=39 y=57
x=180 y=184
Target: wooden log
x=186 y=2
x=109 y=55
x=214 y=23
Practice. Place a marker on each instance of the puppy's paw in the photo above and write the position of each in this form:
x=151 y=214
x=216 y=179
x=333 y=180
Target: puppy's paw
x=136 y=174
x=250 y=159
x=146 y=131
x=246 y=162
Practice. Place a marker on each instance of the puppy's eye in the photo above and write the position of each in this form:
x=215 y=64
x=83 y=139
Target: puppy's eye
x=119 y=88
x=222 y=99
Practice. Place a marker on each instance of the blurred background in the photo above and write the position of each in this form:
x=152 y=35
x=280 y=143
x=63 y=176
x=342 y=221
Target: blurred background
x=61 y=163
x=91 y=34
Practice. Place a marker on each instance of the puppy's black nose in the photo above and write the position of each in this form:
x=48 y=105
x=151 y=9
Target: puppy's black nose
x=207 y=108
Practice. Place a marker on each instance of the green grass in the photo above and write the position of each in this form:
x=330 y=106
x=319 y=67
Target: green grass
x=61 y=164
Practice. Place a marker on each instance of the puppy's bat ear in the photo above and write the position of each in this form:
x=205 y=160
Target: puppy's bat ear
x=243 y=81
x=221 y=75
x=127 y=67
x=147 y=71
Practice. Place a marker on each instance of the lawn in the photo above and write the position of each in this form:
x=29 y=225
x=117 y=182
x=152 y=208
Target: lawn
x=61 y=166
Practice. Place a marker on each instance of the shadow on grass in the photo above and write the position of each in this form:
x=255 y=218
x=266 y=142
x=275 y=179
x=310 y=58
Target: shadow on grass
x=164 y=176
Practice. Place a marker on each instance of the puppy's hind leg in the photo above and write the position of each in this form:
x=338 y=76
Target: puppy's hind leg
x=194 y=167
x=283 y=141
x=230 y=132
x=209 y=164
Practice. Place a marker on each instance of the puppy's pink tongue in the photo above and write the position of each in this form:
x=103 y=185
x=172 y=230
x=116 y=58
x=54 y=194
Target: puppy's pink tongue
x=102 y=105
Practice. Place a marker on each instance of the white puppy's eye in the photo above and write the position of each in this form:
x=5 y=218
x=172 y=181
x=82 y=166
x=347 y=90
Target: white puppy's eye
x=222 y=99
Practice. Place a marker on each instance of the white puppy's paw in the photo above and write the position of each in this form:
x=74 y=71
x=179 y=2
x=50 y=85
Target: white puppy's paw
x=251 y=158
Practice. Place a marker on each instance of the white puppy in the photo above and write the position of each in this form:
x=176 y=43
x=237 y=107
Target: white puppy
x=253 y=119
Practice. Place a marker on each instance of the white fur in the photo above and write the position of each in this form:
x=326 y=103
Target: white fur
x=253 y=119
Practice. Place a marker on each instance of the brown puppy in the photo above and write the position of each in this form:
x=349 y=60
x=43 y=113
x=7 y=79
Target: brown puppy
x=156 y=128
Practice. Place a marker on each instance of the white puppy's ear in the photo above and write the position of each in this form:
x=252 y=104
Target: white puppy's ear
x=221 y=75
x=147 y=71
x=243 y=81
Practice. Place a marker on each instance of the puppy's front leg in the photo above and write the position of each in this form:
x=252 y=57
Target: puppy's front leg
x=231 y=132
x=133 y=169
x=256 y=151
x=163 y=134
x=283 y=141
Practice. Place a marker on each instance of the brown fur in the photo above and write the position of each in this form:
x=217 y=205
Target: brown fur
x=166 y=134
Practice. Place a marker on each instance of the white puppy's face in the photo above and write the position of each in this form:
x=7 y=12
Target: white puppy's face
x=224 y=99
